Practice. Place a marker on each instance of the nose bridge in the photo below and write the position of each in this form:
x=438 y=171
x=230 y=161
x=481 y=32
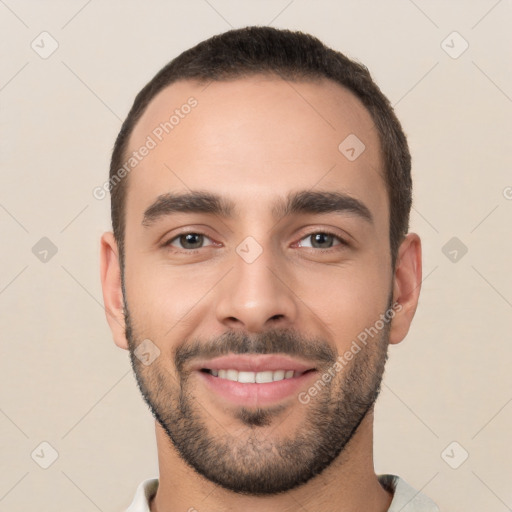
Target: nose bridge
x=254 y=293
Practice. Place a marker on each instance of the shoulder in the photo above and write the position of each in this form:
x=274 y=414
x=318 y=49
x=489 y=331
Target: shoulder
x=145 y=491
x=405 y=497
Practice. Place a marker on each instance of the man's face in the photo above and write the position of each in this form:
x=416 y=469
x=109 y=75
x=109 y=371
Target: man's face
x=301 y=282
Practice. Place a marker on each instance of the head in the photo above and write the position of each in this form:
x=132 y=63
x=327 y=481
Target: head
x=284 y=167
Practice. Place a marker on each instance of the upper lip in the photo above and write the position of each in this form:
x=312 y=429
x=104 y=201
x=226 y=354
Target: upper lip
x=253 y=363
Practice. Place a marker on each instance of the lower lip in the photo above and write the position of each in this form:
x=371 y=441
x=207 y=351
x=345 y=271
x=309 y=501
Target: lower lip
x=255 y=394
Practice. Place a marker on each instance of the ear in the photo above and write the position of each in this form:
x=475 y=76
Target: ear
x=406 y=287
x=112 y=291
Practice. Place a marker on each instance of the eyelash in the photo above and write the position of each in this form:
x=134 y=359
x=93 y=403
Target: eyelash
x=343 y=243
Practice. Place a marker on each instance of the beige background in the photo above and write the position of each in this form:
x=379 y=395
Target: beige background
x=64 y=381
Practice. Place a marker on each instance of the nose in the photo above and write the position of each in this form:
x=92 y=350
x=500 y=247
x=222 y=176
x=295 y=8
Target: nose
x=256 y=295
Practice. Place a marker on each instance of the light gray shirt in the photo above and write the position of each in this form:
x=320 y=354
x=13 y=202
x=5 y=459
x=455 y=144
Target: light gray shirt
x=405 y=498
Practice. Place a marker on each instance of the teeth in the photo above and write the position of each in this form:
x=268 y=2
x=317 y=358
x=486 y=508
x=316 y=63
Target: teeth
x=231 y=374
x=245 y=377
x=279 y=375
x=252 y=377
x=261 y=377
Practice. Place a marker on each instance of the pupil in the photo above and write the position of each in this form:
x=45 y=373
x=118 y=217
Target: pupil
x=189 y=240
x=320 y=238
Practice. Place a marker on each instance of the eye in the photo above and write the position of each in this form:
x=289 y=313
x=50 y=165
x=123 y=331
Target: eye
x=322 y=240
x=188 y=241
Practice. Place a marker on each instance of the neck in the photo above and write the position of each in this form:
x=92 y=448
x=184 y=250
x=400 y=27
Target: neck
x=348 y=484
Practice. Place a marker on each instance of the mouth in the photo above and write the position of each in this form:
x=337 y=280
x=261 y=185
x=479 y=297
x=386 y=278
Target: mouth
x=254 y=380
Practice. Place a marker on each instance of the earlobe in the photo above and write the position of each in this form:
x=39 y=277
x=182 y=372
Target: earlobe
x=110 y=274
x=407 y=286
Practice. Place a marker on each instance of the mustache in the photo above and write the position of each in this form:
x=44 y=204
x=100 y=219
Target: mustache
x=276 y=341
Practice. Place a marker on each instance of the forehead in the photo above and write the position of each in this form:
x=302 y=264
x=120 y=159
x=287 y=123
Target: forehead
x=253 y=140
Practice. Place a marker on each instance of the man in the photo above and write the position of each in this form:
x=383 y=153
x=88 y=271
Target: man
x=260 y=265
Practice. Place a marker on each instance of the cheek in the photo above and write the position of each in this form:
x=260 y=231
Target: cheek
x=347 y=299
x=169 y=302
x=157 y=298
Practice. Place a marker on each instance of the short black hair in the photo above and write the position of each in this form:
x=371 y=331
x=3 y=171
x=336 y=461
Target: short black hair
x=291 y=55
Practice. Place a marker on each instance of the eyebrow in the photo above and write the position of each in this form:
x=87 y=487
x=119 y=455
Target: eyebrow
x=301 y=202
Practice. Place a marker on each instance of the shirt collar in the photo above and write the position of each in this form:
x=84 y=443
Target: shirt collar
x=405 y=497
